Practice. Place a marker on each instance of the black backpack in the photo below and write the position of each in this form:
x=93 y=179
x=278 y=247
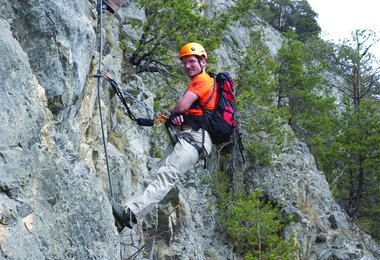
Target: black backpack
x=220 y=122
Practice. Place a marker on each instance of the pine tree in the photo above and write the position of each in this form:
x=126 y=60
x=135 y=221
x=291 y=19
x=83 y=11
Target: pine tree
x=301 y=89
x=170 y=24
x=256 y=91
x=351 y=158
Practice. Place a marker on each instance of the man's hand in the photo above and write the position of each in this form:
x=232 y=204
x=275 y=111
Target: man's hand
x=176 y=119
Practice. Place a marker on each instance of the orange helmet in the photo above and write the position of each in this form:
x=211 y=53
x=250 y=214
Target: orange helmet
x=192 y=48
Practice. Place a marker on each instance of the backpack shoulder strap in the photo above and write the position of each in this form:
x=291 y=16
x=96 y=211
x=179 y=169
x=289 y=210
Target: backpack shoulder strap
x=202 y=106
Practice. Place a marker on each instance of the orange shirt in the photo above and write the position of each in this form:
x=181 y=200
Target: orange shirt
x=202 y=85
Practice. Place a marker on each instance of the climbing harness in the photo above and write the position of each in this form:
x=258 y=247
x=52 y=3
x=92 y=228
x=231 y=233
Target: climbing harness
x=190 y=139
x=101 y=8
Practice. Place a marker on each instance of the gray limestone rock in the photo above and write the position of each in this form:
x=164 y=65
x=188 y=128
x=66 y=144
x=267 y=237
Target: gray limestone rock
x=54 y=183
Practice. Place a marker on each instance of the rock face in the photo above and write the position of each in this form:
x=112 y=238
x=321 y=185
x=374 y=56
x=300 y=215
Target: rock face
x=52 y=204
x=322 y=230
x=54 y=184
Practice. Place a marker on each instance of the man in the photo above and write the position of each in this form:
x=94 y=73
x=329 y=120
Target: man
x=192 y=142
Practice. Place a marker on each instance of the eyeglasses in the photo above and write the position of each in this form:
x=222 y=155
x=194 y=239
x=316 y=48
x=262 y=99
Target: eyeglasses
x=190 y=62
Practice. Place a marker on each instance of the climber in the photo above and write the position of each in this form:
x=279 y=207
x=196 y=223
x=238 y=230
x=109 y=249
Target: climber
x=192 y=141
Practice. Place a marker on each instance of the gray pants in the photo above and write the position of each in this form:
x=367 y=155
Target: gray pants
x=177 y=160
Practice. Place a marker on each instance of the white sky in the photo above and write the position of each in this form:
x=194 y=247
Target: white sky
x=338 y=18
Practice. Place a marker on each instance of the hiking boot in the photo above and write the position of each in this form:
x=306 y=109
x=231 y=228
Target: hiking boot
x=123 y=218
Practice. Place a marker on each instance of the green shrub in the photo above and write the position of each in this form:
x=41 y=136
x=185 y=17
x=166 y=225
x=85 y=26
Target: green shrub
x=252 y=225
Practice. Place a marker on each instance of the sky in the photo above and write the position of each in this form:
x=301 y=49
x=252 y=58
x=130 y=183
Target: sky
x=338 y=18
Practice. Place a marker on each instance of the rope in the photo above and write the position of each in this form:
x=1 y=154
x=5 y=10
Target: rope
x=119 y=91
x=100 y=28
x=159 y=118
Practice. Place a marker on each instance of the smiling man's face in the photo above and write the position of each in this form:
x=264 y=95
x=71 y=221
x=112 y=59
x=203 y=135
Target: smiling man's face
x=192 y=66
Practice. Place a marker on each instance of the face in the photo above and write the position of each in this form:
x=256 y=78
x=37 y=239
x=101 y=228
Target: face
x=191 y=65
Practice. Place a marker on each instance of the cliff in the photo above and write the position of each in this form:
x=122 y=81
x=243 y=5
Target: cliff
x=54 y=185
